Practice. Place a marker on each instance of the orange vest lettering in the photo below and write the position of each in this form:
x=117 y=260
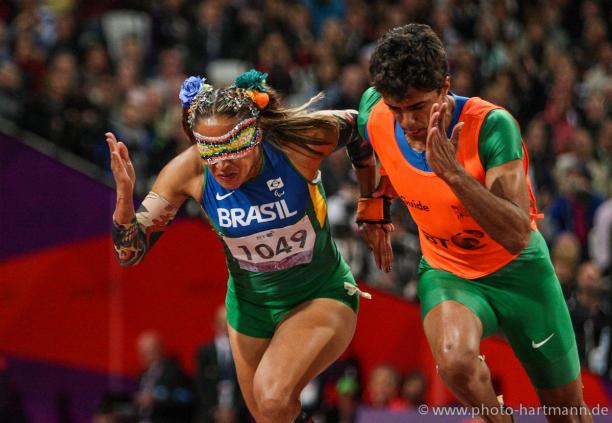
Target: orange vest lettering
x=450 y=238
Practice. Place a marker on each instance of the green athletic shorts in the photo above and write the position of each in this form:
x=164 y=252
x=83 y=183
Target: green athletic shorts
x=524 y=299
x=260 y=319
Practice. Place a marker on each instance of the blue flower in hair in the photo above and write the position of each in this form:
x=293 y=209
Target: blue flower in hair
x=190 y=88
x=252 y=80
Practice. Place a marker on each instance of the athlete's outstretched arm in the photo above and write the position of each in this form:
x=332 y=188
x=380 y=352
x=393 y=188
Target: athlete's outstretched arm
x=134 y=233
x=502 y=206
x=376 y=232
x=362 y=157
x=372 y=209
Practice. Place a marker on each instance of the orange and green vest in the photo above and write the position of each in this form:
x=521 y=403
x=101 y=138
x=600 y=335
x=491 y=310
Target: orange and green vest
x=450 y=238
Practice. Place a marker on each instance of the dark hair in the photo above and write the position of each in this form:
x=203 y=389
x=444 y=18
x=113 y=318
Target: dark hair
x=290 y=127
x=408 y=57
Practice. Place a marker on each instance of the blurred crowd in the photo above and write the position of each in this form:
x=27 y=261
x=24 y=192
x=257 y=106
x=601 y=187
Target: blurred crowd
x=71 y=70
x=168 y=394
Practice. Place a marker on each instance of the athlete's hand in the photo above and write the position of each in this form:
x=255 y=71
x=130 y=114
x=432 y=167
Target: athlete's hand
x=121 y=165
x=125 y=178
x=378 y=235
x=440 y=151
x=378 y=238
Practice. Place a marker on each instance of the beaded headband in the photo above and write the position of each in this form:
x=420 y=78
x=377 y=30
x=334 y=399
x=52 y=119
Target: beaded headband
x=236 y=143
x=248 y=91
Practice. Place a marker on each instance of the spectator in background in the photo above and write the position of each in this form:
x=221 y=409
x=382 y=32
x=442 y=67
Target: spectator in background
x=582 y=154
x=215 y=34
x=559 y=111
x=31 y=60
x=164 y=126
x=333 y=37
x=11 y=102
x=47 y=114
x=601 y=238
x=592 y=319
x=463 y=82
x=170 y=24
x=165 y=394
x=169 y=75
x=603 y=154
x=489 y=47
x=65 y=33
x=274 y=57
x=594 y=111
x=358 y=30
x=218 y=397
x=301 y=39
x=96 y=63
x=413 y=389
x=130 y=125
x=322 y=11
x=383 y=388
x=326 y=72
x=565 y=255
x=541 y=160
x=574 y=209
x=345 y=409
x=442 y=23
x=530 y=70
x=127 y=35
x=353 y=82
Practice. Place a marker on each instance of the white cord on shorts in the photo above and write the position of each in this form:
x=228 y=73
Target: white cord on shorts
x=352 y=290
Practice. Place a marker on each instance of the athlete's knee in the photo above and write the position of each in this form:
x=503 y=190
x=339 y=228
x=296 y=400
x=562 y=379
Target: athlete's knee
x=458 y=364
x=275 y=402
x=276 y=409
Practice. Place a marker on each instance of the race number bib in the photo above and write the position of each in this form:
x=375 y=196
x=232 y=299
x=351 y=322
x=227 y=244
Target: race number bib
x=274 y=249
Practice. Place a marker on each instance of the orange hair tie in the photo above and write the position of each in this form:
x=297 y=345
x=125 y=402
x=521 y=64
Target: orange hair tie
x=259 y=98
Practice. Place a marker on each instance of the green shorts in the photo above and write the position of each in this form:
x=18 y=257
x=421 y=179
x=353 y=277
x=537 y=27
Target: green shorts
x=260 y=319
x=524 y=299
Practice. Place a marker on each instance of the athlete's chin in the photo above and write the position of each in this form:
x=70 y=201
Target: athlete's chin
x=420 y=136
x=229 y=182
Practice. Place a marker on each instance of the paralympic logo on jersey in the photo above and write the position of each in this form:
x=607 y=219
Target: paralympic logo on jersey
x=235 y=217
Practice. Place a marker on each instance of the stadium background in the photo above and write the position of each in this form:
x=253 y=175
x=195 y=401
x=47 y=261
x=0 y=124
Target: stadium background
x=70 y=71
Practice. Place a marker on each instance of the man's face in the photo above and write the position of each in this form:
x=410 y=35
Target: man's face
x=412 y=111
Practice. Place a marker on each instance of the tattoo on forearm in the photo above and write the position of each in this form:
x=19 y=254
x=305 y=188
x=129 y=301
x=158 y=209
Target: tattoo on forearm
x=133 y=241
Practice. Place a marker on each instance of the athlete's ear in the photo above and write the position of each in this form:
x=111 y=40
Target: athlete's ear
x=446 y=86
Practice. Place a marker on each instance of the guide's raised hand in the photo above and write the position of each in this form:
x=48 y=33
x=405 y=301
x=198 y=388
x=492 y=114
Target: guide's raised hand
x=441 y=151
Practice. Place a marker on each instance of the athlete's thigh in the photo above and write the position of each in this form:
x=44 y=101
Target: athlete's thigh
x=534 y=316
x=541 y=335
x=449 y=303
x=247 y=352
x=451 y=324
x=305 y=343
